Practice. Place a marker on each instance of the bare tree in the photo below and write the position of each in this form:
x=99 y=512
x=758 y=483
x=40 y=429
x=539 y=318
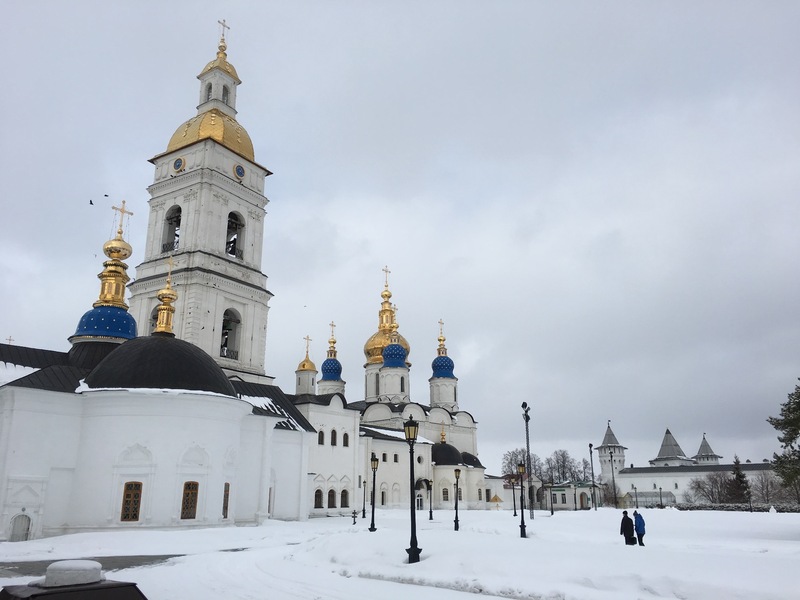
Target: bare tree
x=713 y=487
x=512 y=458
x=765 y=487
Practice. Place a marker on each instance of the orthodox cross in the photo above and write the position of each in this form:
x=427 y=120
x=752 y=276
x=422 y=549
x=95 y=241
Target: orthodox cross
x=9 y=339
x=441 y=327
x=386 y=272
x=171 y=264
x=333 y=326
x=122 y=213
x=308 y=342
x=223 y=26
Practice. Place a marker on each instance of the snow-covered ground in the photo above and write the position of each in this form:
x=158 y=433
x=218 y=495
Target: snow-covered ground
x=572 y=555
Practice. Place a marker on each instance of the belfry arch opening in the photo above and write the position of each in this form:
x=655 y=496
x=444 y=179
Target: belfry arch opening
x=226 y=94
x=231 y=333
x=170 y=240
x=208 y=92
x=234 y=238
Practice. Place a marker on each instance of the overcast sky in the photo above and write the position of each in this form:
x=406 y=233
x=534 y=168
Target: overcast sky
x=600 y=200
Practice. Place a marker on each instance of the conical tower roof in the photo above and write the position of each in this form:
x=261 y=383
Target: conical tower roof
x=670 y=449
x=705 y=450
x=610 y=440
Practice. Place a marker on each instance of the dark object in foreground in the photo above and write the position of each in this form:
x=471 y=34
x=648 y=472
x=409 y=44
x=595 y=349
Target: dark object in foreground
x=74 y=580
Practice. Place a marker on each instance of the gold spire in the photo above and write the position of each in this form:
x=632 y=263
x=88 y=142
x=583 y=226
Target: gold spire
x=441 y=350
x=165 y=310
x=332 y=342
x=387 y=316
x=306 y=364
x=114 y=276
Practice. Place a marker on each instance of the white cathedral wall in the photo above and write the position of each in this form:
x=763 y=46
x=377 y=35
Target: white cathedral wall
x=39 y=436
x=290 y=450
x=162 y=440
x=333 y=467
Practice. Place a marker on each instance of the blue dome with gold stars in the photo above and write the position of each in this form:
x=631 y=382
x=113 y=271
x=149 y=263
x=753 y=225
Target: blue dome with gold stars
x=394 y=355
x=331 y=369
x=443 y=367
x=106 y=322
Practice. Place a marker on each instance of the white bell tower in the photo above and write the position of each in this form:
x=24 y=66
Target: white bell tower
x=207 y=212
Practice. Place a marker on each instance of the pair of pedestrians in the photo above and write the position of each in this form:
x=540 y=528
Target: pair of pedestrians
x=629 y=526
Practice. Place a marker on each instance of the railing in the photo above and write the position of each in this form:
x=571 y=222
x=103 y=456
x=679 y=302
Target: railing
x=169 y=246
x=226 y=353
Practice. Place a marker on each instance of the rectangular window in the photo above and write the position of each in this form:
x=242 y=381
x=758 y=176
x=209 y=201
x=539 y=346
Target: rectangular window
x=460 y=498
x=131 y=501
x=225 y=496
x=563 y=498
x=383 y=457
x=396 y=458
x=554 y=500
x=189 y=502
x=676 y=485
x=480 y=494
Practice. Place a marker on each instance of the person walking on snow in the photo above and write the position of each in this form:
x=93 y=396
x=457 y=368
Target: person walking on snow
x=638 y=525
x=626 y=529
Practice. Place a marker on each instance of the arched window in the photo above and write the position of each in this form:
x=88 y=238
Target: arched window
x=345 y=440
x=20 y=528
x=460 y=497
x=226 y=494
x=480 y=494
x=318 y=499
x=321 y=438
x=333 y=437
x=225 y=94
x=383 y=497
x=208 y=92
x=189 y=502
x=172 y=230
x=331 y=499
x=153 y=318
x=234 y=242
x=345 y=503
x=396 y=458
x=131 y=501
x=402 y=384
x=445 y=495
x=377 y=384
x=383 y=457
x=229 y=339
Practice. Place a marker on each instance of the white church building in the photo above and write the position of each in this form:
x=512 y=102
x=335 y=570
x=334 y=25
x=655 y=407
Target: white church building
x=161 y=414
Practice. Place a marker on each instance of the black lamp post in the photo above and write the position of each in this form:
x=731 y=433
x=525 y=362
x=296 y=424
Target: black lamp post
x=373 y=463
x=411 y=429
x=574 y=497
x=527 y=417
x=511 y=479
x=521 y=471
x=613 y=480
x=551 y=494
x=364 y=504
x=429 y=484
x=591 y=461
x=660 y=499
x=636 y=496
x=458 y=474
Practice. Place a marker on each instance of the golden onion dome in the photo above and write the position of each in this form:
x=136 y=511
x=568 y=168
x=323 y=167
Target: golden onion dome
x=221 y=62
x=373 y=349
x=217 y=126
x=117 y=248
x=306 y=364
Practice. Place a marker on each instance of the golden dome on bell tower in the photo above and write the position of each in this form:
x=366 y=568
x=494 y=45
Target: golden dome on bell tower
x=387 y=324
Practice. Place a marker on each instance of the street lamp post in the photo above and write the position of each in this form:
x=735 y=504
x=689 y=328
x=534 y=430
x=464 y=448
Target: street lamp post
x=429 y=484
x=373 y=463
x=613 y=480
x=411 y=429
x=591 y=461
x=458 y=474
x=511 y=479
x=521 y=471
x=660 y=499
x=364 y=503
x=636 y=496
x=527 y=417
x=551 y=495
x=574 y=497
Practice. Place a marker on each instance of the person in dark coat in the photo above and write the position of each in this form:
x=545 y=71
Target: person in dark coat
x=626 y=529
x=638 y=525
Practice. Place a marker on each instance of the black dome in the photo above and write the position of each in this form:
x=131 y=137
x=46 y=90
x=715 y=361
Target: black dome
x=471 y=460
x=160 y=362
x=445 y=454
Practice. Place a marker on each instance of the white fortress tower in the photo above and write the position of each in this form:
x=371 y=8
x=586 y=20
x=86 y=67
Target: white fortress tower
x=207 y=213
x=611 y=455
